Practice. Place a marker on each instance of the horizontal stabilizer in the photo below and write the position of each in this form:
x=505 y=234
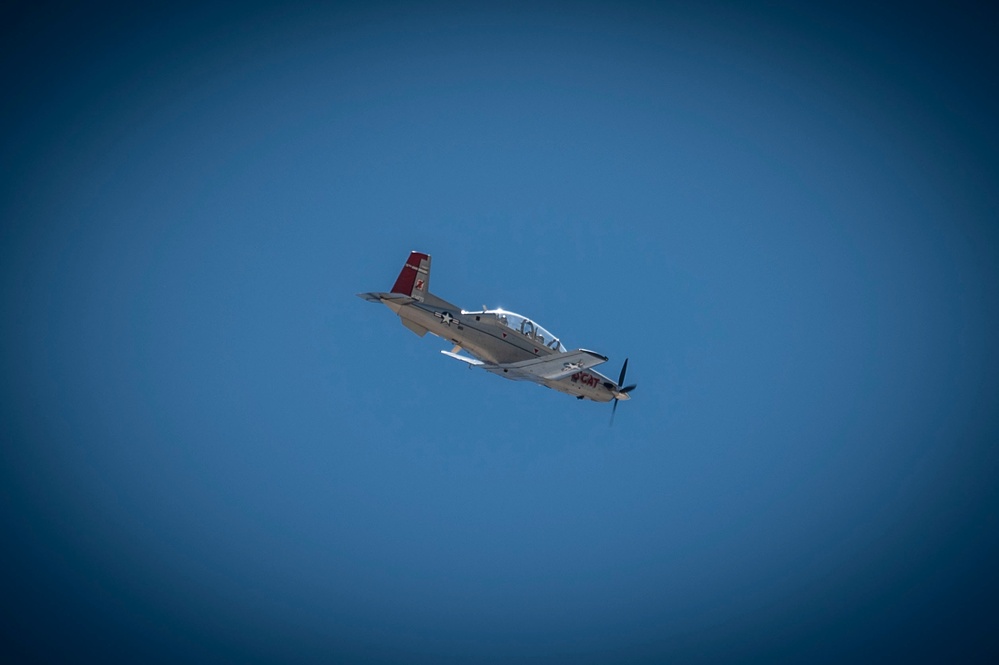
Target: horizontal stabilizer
x=394 y=301
x=415 y=327
x=397 y=298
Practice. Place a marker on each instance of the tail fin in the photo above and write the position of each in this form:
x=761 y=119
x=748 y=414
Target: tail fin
x=414 y=280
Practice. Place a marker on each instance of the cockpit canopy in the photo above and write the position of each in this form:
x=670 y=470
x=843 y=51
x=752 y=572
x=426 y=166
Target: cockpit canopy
x=525 y=326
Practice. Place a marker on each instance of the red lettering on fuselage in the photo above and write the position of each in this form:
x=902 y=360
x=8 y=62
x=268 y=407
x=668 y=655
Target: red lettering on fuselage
x=585 y=378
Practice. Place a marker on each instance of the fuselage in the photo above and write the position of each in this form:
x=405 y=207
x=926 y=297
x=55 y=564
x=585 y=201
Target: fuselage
x=500 y=337
x=494 y=336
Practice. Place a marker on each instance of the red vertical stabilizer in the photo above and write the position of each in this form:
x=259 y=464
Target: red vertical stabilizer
x=414 y=280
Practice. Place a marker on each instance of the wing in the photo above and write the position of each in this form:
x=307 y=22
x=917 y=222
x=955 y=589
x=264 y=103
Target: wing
x=471 y=361
x=551 y=368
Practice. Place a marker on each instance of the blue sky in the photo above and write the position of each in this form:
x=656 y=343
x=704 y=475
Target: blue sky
x=784 y=217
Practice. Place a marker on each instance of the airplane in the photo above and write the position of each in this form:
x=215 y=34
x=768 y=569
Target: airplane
x=498 y=341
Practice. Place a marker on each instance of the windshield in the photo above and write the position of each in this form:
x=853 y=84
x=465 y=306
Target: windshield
x=527 y=327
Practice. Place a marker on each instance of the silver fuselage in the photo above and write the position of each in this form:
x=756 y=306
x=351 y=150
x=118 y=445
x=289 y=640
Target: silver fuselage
x=485 y=336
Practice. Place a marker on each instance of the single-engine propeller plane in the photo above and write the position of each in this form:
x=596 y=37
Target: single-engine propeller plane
x=498 y=341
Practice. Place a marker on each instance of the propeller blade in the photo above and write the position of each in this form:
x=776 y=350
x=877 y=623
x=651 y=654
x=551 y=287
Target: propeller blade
x=624 y=370
x=625 y=390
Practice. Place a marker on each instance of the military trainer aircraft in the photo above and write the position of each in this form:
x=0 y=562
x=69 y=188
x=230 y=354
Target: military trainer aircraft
x=498 y=341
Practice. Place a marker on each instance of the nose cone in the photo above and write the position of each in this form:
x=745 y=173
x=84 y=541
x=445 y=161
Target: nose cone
x=621 y=395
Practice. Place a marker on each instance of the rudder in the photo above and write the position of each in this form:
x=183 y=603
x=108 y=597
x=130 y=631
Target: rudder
x=414 y=279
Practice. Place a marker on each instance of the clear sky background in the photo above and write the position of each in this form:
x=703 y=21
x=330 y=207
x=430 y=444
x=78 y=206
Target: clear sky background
x=785 y=217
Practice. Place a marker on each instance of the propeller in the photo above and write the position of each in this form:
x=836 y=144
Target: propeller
x=625 y=390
